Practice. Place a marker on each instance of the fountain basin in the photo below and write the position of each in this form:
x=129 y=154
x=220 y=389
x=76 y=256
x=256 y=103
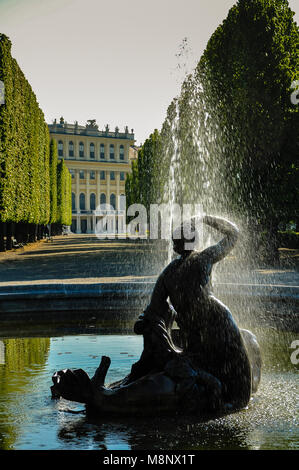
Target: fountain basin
x=30 y=419
x=124 y=301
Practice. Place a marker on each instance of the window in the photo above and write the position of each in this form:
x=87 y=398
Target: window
x=111 y=152
x=72 y=172
x=102 y=175
x=73 y=202
x=103 y=199
x=82 y=174
x=121 y=152
x=60 y=148
x=81 y=150
x=112 y=175
x=122 y=202
x=71 y=149
x=92 y=175
x=82 y=202
x=102 y=151
x=113 y=201
x=122 y=176
x=91 y=150
x=92 y=201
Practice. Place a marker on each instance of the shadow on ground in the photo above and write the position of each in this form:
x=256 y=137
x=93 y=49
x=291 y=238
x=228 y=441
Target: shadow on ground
x=82 y=257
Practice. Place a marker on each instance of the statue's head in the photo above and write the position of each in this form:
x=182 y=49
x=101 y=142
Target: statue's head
x=185 y=238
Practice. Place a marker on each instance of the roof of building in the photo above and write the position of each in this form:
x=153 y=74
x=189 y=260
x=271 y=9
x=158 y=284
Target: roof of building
x=90 y=129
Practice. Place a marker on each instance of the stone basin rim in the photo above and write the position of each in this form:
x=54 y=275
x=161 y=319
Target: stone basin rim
x=124 y=289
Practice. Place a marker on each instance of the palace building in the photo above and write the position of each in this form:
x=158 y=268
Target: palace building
x=98 y=162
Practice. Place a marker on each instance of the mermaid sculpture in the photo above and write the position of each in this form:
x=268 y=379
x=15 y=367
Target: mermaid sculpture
x=210 y=368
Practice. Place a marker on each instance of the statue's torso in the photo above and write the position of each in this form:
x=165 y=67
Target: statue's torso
x=187 y=281
x=207 y=326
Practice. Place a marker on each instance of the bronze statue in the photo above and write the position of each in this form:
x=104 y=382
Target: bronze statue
x=210 y=368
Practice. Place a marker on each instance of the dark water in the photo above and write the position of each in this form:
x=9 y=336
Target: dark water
x=30 y=419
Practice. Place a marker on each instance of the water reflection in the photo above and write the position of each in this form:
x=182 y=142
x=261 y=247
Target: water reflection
x=156 y=433
x=30 y=419
x=22 y=359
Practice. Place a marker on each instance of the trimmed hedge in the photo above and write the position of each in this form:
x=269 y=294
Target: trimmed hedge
x=53 y=180
x=24 y=147
x=231 y=136
x=31 y=194
x=64 y=194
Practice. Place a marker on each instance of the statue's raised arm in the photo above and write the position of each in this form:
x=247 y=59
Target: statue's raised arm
x=223 y=248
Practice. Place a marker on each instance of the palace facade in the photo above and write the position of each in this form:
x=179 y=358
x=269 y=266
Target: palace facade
x=99 y=162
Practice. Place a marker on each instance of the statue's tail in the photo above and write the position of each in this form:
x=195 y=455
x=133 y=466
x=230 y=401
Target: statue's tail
x=98 y=379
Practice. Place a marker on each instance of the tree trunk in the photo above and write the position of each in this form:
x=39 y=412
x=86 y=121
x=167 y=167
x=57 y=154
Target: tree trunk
x=21 y=232
x=32 y=232
x=9 y=235
x=2 y=236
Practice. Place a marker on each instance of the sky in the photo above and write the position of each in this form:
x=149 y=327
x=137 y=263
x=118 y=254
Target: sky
x=120 y=62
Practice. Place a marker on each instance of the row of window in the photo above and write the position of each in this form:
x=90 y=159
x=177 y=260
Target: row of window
x=92 y=153
x=92 y=201
x=92 y=175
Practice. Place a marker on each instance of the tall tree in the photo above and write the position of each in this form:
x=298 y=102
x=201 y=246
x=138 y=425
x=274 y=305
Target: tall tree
x=24 y=147
x=247 y=70
x=231 y=137
x=53 y=180
x=64 y=191
x=28 y=198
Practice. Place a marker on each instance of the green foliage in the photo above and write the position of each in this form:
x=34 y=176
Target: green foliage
x=28 y=161
x=247 y=70
x=149 y=171
x=64 y=194
x=132 y=185
x=24 y=147
x=53 y=180
x=145 y=184
x=231 y=137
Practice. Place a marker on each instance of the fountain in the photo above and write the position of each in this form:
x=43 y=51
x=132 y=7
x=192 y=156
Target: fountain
x=192 y=139
x=192 y=142
x=216 y=367
x=268 y=421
